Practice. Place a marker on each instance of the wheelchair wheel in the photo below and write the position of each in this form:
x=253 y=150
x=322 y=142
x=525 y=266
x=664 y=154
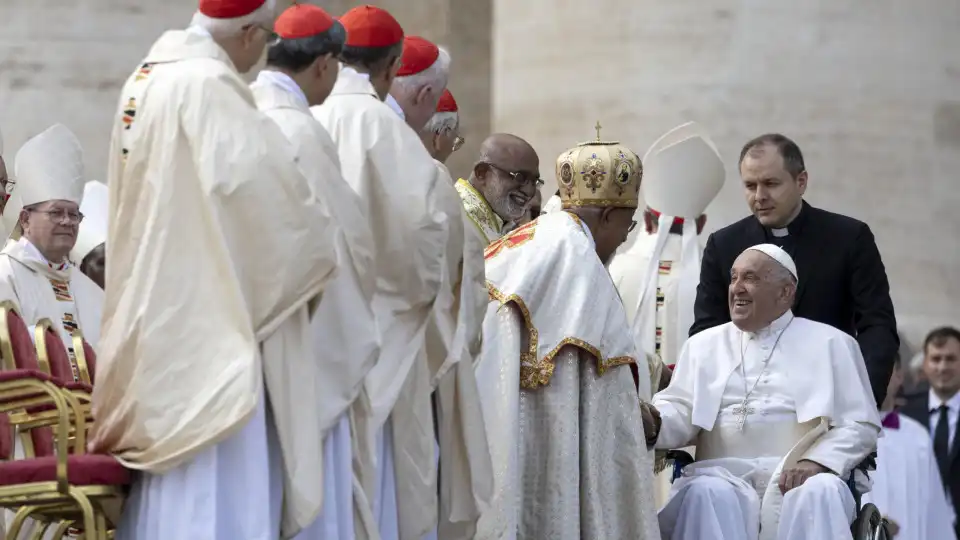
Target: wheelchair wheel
x=869 y=524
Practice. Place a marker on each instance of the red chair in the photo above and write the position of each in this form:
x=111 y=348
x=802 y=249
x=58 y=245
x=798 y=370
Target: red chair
x=55 y=485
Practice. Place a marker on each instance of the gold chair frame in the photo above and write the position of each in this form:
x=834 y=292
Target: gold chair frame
x=57 y=500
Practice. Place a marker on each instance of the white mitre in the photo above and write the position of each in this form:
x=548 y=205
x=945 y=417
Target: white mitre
x=778 y=254
x=48 y=167
x=93 y=228
x=682 y=174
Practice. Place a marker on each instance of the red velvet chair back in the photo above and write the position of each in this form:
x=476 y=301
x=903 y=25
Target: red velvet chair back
x=54 y=353
x=25 y=357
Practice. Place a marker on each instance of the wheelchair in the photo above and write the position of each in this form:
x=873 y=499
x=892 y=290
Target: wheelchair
x=869 y=523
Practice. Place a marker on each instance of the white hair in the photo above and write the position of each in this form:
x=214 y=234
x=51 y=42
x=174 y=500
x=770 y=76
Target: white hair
x=227 y=27
x=434 y=76
x=442 y=121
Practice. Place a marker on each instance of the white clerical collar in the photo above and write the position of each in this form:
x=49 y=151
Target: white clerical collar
x=350 y=71
x=773 y=328
x=934 y=401
x=395 y=106
x=780 y=233
x=285 y=82
x=199 y=30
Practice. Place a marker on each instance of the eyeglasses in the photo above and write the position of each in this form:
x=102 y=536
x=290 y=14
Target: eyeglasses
x=521 y=177
x=458 y=143
x=633 y=225
x=60 y=215
x=8 y=186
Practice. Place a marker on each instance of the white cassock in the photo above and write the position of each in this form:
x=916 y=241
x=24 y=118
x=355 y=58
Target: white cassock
x=386 y=164
x=345 y=336
x=813 y=402
x=217 y=250
x=906 y=485
x=561 y=409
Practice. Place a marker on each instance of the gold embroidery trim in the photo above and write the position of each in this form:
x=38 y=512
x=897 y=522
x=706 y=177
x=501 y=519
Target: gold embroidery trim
x=479 y=211
x=535 y=371
x=616 y=203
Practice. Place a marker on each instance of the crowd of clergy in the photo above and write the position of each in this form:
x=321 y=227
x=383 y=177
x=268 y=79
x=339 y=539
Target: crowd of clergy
x=282 y=317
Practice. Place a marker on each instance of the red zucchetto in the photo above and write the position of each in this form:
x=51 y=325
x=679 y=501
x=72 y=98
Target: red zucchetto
x=446 y=103
x=301 y=21
x=371 y=27
x=229 y=9
x=418 y=55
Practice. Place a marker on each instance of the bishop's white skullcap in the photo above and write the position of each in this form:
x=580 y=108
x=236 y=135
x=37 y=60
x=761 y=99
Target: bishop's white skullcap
x=778 y=255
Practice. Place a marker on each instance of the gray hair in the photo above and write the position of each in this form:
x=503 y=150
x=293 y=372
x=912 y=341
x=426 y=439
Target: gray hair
x=434 y=76
x=220 y=28
x=441 y=122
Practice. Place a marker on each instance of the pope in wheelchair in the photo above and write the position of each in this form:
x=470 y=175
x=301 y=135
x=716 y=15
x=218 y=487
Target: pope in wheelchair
x=780 y=411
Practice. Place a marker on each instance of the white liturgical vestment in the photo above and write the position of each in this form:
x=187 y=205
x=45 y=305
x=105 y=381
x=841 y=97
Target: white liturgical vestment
x=217 y=251
x=559 y=401
x=344 y=331
x=386 y=164
x=806 y=396
x=906 y=485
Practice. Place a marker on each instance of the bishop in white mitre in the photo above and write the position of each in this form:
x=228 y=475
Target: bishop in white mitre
x=907 y=488
x=35 y=263
x=384 y=162
x=453 y=332
x=89 y=253
x=658 y=269
x=217 y=252
x=569 y=450
x=300 y=72
x=780 y=410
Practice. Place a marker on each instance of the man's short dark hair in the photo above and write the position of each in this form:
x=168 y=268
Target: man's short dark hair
x=939 y=336
x=792 y=157
x=297 y=55
x=374 y=59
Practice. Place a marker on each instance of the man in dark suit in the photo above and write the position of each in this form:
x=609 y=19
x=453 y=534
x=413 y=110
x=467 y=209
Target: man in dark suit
x=842 y=279
x=939 y=410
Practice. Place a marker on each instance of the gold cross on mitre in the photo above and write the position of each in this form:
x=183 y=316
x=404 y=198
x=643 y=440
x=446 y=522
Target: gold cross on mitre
x=598 y=127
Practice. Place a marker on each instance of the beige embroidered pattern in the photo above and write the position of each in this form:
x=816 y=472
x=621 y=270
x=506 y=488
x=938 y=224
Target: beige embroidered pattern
x=535 y=371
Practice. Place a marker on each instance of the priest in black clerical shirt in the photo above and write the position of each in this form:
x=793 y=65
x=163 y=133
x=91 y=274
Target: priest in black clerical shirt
x=842 y=281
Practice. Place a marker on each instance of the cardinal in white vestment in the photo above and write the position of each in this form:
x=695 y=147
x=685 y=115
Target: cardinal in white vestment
x=780 y=410
x=907 y=488
x=89 y=253
x=35 y=264
x=569 y=450
x=217 y=250
x=384 y=162
x=657 y=271
x=300 y=72
x=501 y=186
x=441 y=134
x=453 y=333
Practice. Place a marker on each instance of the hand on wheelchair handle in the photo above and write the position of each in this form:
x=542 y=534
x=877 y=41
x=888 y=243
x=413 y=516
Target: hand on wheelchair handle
x=795 y=476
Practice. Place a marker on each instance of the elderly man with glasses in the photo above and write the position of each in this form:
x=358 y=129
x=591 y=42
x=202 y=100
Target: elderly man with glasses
x=502 y=185
x=35 y=265
x=441 y=135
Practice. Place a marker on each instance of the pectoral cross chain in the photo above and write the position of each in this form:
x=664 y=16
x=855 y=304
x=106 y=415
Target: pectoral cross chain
x=741 y=411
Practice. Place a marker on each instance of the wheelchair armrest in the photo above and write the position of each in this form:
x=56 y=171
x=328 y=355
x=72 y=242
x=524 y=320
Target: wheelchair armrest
x=680 y=460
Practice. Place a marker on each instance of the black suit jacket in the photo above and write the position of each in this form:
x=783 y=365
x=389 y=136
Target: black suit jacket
x=841 y=282
x=918 y=408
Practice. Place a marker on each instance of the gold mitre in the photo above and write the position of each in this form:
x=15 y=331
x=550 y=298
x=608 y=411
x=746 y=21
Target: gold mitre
x=599 y=173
